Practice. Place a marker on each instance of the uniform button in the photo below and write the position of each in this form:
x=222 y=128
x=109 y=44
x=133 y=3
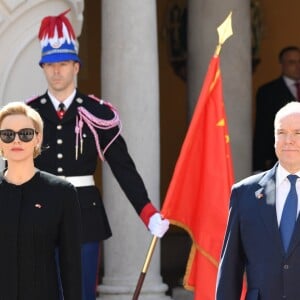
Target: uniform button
x=286 y=267
x=59 y=141
x=79 y=100
x=59 y=155
x=60 y=170
x=59 y=127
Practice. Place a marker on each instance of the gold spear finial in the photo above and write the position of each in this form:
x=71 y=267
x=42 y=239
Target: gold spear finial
x=224 y=32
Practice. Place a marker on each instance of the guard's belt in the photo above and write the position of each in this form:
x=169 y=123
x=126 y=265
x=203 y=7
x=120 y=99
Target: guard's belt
x=80 y=181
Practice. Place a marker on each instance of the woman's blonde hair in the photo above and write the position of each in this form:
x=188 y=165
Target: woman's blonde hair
x=20 y=108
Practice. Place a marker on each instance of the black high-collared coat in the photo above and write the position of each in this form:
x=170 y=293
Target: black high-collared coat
x=59 y=158
x=36 y=218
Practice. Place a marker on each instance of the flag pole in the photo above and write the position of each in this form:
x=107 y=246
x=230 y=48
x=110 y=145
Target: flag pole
x=145 y=269
x=224 y=32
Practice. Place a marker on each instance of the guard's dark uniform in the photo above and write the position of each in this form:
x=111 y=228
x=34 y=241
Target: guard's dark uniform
x=60 y=159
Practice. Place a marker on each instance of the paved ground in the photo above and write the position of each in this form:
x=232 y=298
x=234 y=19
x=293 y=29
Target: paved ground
x=182 y=294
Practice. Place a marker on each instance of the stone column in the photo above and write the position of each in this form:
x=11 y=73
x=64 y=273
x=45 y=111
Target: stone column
x=129 y=68
x=203 y=19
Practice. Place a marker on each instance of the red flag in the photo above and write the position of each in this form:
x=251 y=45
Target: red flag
x=198 y=195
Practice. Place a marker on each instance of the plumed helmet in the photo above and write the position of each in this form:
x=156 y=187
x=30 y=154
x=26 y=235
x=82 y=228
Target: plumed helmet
x=58 y=40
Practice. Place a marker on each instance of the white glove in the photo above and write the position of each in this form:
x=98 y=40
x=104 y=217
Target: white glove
x=157 y=225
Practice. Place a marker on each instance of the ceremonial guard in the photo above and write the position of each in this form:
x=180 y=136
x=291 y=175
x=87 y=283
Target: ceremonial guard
x=78 y=129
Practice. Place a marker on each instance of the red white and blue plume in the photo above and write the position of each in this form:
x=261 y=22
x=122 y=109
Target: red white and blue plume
x=58 y=40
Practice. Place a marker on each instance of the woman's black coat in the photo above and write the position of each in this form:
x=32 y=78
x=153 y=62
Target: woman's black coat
x=35 y=218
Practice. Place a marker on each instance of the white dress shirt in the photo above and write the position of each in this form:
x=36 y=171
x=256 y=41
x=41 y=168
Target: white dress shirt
x=282 y=189
x=291 y=85
x=67 y=102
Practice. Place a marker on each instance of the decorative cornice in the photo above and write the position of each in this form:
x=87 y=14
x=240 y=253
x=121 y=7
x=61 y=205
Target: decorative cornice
x=11 y=5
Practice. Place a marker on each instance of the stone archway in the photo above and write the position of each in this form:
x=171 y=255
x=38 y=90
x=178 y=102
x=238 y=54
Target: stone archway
x=20 y=74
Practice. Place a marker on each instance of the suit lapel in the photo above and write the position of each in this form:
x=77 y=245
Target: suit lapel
x=286 y=91
x=295 y=237
x=267 y=205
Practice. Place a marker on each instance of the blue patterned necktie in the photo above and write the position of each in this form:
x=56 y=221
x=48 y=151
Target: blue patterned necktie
x=289 y=213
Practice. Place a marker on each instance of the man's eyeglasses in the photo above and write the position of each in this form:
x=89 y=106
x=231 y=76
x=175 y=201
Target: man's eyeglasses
x=25 y=135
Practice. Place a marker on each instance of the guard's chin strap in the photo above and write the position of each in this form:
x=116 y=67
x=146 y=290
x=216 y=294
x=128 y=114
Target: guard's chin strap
x=93 y=123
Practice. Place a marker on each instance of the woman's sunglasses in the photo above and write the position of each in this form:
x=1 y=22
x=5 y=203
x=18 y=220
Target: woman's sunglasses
x=25 y=135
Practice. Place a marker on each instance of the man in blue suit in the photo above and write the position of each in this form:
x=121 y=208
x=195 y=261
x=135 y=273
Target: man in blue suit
x=255 y=243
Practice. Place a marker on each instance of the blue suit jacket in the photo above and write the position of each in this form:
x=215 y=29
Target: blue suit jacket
x=253 y=245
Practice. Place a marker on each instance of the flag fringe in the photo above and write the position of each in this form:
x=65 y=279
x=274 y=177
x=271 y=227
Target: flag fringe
x=194 y=249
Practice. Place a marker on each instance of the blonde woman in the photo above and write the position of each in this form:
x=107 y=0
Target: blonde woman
x=39 y=213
